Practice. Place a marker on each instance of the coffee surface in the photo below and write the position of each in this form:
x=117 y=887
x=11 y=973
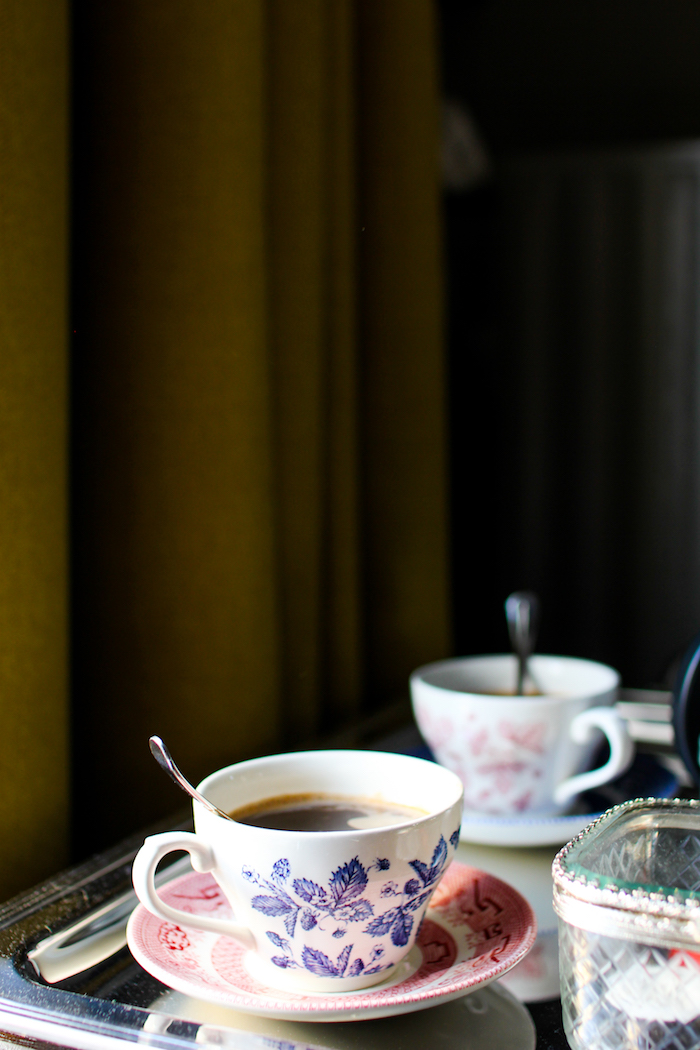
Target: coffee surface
x=315 y=812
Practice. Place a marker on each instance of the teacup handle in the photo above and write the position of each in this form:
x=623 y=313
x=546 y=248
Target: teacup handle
x=621 y=751
x=143 y=872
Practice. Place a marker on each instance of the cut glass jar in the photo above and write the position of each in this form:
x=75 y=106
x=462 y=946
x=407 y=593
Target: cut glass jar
x=627 y=895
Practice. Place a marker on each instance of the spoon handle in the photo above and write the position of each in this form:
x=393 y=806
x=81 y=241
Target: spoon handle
x=523 y=616
x=165 y=761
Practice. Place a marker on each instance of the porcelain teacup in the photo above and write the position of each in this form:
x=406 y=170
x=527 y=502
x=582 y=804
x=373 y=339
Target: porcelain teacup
x=319 y=911
x=521 y=754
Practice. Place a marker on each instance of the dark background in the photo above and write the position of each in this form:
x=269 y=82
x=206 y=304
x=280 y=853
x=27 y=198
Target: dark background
x=540 y=77
x=546 y=74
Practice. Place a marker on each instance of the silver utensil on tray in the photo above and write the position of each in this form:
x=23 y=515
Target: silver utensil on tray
x=523 y=616
x=95 y=936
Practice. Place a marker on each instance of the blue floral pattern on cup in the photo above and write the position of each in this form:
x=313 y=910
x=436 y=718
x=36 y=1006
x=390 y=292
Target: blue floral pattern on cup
x=302 y=904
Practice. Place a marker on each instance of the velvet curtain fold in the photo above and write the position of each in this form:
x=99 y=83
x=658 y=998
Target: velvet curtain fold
x=33 y=438
x=257 y=454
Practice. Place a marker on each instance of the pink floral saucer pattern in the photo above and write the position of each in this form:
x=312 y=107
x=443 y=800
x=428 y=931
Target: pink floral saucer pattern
x=476 y=929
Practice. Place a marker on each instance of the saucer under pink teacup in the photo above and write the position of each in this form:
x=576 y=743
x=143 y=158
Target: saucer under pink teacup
x=521 y=754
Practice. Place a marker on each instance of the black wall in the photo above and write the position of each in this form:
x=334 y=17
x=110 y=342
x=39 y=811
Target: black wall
x=545 y=76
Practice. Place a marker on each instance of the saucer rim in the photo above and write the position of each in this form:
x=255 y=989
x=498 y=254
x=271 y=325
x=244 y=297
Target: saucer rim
x=553 y=831
x=429 y=997
x=483 y=829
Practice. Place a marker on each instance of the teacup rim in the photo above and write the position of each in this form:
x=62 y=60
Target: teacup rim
x=432 y=768
x=419 y=675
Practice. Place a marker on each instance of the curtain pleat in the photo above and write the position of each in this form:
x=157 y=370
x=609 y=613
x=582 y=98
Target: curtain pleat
x=33 y=440
x=313 y=345
x=298 y=112
x=175 y=608
x=257 y=416
x=343 y=648
x=403 y=365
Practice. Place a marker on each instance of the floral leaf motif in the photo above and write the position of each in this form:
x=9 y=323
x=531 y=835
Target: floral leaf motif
x=421 y=869
x=356 y=968
x=290 y=921
x=281 y=942
x=310 y=892
x=319 y=963
x=439 y=856
x=383 y=923
x=343 y=958
x=280 y=870
x=279 y=905
x=283 y=961
x=348 y=881
x=308 y=919
x=272 y=905
x=454 y=838
x=356 y=911
x=414 y=905
x=402 y=929
x=375 y=969
x=429 y=875
x=341 y=900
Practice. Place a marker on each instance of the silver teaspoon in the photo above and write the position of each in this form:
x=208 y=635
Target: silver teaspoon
x=523 y=616
x=164 y=759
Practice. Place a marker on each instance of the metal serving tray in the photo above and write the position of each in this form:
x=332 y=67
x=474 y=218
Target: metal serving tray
x=67 y=979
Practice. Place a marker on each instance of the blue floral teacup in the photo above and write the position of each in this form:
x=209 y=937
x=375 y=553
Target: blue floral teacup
x=320 y=911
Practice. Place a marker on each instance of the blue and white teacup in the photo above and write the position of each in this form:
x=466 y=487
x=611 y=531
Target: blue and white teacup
x=319 y=911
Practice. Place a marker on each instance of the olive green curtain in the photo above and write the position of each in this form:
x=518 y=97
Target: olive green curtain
x=33 y=440
x=257 y=453
x=404 y=408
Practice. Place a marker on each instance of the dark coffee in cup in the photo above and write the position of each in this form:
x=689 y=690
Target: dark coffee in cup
x=317 y=812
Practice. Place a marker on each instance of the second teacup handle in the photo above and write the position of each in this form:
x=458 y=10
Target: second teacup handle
x=621 y=751
x=145 y=863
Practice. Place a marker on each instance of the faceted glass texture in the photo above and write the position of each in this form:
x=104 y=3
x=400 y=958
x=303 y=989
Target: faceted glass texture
x=635 y=879
x=622 y=994
x=657 y=851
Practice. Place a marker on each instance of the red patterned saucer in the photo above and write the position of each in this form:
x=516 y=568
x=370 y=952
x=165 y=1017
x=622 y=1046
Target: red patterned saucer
x=476 y=929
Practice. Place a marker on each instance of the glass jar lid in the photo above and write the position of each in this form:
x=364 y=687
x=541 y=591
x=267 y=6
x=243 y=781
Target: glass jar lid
x=635 y=873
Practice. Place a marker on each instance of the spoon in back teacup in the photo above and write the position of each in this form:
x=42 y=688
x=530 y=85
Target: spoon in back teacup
x=164 y=759
x=523 y=616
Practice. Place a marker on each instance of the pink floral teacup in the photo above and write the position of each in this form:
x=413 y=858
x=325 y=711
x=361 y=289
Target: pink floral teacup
x=521 y=754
